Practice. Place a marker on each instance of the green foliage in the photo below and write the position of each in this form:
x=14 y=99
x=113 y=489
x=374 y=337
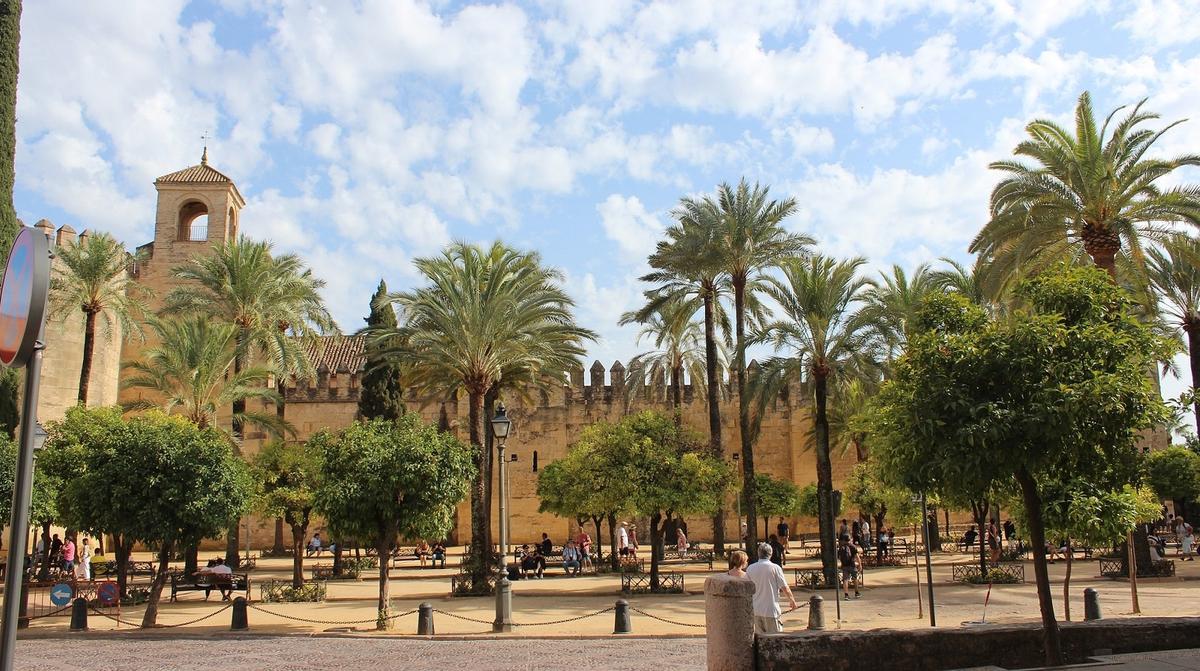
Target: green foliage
x=288 y=477
x=279 y=591
x=382 y=394
x=45 y=487
x=867 y=490
x=418 y=476
x=775 y=497
x=10 y=40
x=806 y=502
x=1093 y=516
x=10 y=413
x=1174 y=473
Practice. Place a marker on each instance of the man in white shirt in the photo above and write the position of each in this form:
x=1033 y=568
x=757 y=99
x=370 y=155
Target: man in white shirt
x=768 y=583
x=623 y=540
x=223 y=578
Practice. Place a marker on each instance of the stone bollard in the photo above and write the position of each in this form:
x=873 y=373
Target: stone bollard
x=729 y=622
x=1091 y=604
x=622 y=625
x=425 y=619
x=816 y=612
x=79 y=614
x=241 y=620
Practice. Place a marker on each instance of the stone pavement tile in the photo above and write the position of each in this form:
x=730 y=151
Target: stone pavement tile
x=1166 y=660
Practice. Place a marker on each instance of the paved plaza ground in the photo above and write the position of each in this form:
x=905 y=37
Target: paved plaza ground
x=889 y=600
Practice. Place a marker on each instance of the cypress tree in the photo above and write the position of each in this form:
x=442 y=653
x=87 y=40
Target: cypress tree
x=382 y=395
x=10 y=41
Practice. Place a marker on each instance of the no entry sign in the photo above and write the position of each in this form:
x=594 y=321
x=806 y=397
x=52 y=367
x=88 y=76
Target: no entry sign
x=23 y=297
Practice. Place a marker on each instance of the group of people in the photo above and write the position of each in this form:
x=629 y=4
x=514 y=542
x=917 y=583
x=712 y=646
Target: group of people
x=74 y=560
x=437 y=553
x=994 y=542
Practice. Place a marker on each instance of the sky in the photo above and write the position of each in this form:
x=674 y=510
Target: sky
x=365 y=134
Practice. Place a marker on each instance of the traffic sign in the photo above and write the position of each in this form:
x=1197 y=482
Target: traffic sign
x=107 y=593
x=23 y=297
x=60 y=594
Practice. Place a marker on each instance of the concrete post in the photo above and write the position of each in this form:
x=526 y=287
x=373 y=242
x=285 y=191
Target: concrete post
x=1091 y=604
x=79 y=615
x=425 y=619
x=816 y=612
x=729 y=622
x=240 y=621
x=621 y=623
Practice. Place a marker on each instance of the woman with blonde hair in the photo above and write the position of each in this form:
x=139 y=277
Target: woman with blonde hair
x=738 y=560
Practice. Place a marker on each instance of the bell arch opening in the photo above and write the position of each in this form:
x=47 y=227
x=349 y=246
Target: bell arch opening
x=193 y=222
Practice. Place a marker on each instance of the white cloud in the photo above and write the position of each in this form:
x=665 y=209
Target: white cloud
x=1159 y=24
x=627 y=223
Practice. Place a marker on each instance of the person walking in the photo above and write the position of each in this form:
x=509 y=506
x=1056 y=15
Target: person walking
x=633 y=544
x=585 y=550
x=623 y=539
x=681 y=543
x=68 y=556
x=83 y=561
x=784 y=532
x=776 y=550
x=738 y=560
x=1183 y=531
x=768 y=583
x=848 y=557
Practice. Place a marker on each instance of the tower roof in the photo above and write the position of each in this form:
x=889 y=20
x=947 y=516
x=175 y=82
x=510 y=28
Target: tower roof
x=196 y=174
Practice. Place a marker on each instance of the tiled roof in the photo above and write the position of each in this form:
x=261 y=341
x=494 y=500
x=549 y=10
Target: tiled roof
x=339 y=353
x=202 y=173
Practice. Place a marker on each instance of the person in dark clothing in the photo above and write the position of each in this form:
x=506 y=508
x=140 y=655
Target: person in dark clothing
x=776 y=550
x=546 y=547
x=969 y=537
x=1010 y=530
x=847 y=554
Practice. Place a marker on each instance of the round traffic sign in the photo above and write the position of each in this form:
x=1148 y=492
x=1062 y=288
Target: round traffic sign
x=107 y=593
x=60 y=594
x=23 y=296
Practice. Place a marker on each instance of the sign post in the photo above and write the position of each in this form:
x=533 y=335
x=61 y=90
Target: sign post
x=23 y=298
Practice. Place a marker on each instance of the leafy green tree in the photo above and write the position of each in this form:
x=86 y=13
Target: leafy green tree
x=808 y=502
x=1174 y=473
x=153 y=479
x=829 y=338
x=382 y=396
x=891 y=304
x=867 y=490
x=10 y=41
x=688 y=269
x=92 y=275
x=751 y=239
x=776 y=498
x=288 y=477
x=1093 y=190
x=1059 y=387
x=191 y=370
x=1174 y=274
x=680 y=348
x=418 y=477
x=43 y=509
x=487 y=312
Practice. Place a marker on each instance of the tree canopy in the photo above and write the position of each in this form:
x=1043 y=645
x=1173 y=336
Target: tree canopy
x=382 y=395
x=1174 y=473
x=288 y=477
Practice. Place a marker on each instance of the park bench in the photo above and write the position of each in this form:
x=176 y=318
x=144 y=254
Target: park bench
x=133 y=568
x=814 y=578
x=970 y=572
x=670 y=582
x=236 y=582
x=673 y=556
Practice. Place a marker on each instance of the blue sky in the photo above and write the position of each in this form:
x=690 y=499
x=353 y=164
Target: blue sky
x=366 y=133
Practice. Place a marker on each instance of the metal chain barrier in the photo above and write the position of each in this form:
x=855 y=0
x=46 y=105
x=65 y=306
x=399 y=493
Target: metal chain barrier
x=463 y=617
x=114 y=618
x=164 y=626
x=663 y=619
x=569 y=619
x=314 y=621
x=56 y=612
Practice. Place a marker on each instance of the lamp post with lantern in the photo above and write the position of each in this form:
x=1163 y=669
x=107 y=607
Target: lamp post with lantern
x=501 y=425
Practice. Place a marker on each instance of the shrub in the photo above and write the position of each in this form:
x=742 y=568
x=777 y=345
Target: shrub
x=282 y=591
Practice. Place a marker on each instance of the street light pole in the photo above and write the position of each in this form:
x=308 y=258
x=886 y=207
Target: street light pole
x=501 y=425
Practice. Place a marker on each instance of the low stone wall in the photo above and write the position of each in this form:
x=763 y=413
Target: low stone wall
x=1012 y=646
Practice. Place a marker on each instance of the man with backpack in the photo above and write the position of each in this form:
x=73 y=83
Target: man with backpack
x=848 y=559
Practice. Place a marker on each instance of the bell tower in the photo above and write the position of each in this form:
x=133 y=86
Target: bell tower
x=198 y=207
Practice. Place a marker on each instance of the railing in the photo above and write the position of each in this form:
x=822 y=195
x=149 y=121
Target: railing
x=1003 y=572
x=814 y=578
x=1115 y=567
x=639 y=583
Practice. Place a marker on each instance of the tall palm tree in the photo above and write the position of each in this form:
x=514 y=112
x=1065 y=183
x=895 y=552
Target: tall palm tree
x=1175 y=275
x=1090 y=191
x=273 y=300
x=92 y=276
x=830 y=338
x=893 y=302
x=688 y=267
x=190 y=372
x=679 y=343
x=486 y=311
x=751 y=238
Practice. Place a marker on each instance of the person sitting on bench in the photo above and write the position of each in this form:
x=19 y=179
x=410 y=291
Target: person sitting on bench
x=314 y=545
x=571 y=558
x=439 y=554
x=222 y=576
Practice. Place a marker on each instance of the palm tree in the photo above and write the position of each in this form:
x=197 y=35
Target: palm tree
x=1091 y=192
x=831 y=339
x=487 y=312
x=751 y=239
x=688 y=268
x=1175 y=275
x=893 y=302
x=679 y=340
x=92 y=276
x=275 y=303
x=190 y=372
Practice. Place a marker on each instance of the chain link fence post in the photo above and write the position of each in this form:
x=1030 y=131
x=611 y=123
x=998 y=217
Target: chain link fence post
x=622 y=624
x=425 y=620
x=79 y=609
x=241 y=620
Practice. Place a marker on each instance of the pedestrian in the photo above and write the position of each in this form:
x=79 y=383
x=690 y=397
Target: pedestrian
x=848 y=558
x=745 y=533
x=83 y=561
x=993 y=539
x=737 y=564
x=1186 y=538
x=633 y=544
x=546 y=546
x=681 y=543
x=768 y=583
x=865 y=543
x=68 y=556
x=623 y=540
x=56 y=548
x=843 y=529
x=776 y=550
x=585 y=549
x=571 y=562
x=784 y=532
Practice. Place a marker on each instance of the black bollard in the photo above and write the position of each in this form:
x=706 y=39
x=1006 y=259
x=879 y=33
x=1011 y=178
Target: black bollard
x=816 y=612
x=1091 y=604
x=622 y=625
x=79 y=614
x=425 y=619
x=240 y=620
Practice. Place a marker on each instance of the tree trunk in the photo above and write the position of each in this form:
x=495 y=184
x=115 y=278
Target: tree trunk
x=677 y=394
x=1067 y=582
x=1102 y=244
x=89 y=346
x=278 y=548
x=298 y=555
x=656 y=538
x=714 y=408
x=44 y=571
x=383 y=548
x=1192 y=328
x=979 y=511
x=766 y=526
x=191 y=559
x=489 y=448
x=481 y=540
x=150 y=618
x=824 y=479
x=1037 y=537
x=612 y=542
x=337 y=558
x=739 y=309
x=233 y=535
x=122 y=549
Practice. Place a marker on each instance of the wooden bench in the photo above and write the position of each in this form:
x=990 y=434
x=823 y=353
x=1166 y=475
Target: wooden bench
x=132 y=568
x=673 y=556
x=235 y=582
x=639 y=583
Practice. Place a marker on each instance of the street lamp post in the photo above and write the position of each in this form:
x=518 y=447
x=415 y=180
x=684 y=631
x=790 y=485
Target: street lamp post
x=501 y=425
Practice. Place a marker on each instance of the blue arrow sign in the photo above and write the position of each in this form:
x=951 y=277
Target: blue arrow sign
x=60 y=594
